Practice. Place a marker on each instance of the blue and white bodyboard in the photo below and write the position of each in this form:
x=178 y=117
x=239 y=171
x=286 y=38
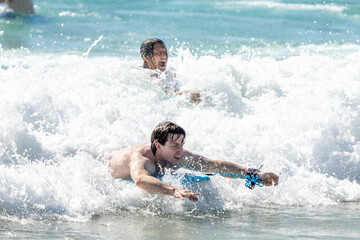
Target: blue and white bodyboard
x=183 y=178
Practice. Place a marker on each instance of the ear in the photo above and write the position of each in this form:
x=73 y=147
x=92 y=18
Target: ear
x=146 y=59
x=157 y=145
x=149 y=62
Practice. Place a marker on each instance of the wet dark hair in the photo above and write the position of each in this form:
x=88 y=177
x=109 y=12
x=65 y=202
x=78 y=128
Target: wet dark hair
x=163 y=131
x=147 y=47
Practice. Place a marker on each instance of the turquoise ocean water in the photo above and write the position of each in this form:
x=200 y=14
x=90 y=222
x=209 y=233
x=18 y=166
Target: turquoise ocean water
x=280 y=86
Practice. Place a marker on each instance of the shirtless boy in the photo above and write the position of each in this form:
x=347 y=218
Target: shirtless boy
x=165 y=151
x=154 y=53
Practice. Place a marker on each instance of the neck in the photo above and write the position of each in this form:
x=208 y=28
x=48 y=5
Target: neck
x=161 y=164
x=158 y=165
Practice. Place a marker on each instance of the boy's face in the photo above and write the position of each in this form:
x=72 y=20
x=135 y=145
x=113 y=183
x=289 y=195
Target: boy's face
x=159 y=57
x=173 y=149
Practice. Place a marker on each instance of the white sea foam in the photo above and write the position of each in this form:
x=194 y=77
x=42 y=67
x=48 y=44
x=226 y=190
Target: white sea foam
x=280 y=5
x=63 y=115
x=77 y=14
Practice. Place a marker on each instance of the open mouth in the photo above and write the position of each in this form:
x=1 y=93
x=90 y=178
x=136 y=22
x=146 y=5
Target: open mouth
x=162 y=65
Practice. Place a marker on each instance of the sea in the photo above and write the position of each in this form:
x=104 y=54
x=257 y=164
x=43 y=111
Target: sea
x=280 y=87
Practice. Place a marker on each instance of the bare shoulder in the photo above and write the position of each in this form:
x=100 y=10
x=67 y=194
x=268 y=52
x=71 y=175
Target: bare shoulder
x=142 y=160
x=141 y=154
x=188 y=155
x=187 y=158
x=122 y=159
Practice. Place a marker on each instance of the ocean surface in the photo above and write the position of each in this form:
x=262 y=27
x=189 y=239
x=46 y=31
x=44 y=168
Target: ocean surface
x=279 y=83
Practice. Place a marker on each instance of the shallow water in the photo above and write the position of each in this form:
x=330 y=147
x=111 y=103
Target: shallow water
x=270 y=222
x=280 y=87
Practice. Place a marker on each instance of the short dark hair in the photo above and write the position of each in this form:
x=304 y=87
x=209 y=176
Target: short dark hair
x=147 y=47
x=162 y=132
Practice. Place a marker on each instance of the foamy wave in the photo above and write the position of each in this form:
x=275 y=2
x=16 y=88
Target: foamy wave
x=283 y=6
x=77 y=14
x=60 y=117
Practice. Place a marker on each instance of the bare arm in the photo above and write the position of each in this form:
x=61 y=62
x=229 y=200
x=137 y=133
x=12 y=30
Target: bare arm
x=202 y=164
x=142 y=179
x=194 y=95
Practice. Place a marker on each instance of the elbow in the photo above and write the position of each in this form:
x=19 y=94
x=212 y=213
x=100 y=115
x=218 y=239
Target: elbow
x=139 y=181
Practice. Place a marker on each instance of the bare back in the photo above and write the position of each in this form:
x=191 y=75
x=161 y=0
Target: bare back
x=125 y=159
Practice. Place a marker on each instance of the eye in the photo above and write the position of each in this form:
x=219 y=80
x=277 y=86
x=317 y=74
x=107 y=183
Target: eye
x=176 y=146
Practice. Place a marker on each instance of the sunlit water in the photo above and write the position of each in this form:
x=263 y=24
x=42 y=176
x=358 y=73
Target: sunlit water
x=280 y=87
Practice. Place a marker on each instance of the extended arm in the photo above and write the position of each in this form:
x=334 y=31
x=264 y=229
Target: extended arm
x=142 y=179
x=194 y=95
x=202 y=164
